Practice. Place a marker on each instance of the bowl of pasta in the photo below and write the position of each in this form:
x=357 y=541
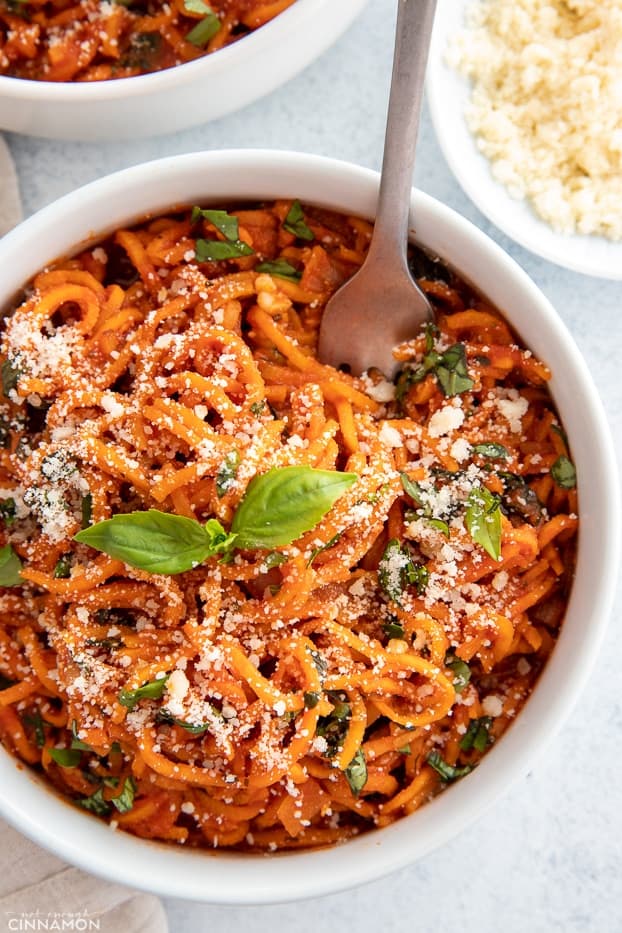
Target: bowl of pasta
x=100 y=70
x=253 y=607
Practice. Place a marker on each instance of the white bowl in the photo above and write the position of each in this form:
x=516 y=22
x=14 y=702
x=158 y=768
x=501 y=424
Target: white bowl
x=447 y=94
x=229 y=878
x=187 y=95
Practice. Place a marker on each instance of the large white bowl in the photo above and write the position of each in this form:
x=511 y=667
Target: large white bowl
x=187 y=95
x=229 y=878
x=448 y=93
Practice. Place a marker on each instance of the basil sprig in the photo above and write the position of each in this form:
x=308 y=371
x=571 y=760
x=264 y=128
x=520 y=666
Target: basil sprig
x=232 y=247
x=295 y=222
x=564 y=473
x=10 y=566
x=277 y=509
x=483 y=520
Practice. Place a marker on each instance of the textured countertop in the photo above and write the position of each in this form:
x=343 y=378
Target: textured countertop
x=547 y=857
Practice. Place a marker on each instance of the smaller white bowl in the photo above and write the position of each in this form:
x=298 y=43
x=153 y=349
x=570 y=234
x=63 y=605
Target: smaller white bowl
x=448 y=93
x=183 y=96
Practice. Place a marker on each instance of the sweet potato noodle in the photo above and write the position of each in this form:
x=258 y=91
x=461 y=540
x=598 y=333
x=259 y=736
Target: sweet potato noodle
x=97 y=40
x=285 y=696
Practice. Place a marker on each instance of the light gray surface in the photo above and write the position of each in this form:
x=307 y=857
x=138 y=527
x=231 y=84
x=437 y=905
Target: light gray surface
x=548 y=857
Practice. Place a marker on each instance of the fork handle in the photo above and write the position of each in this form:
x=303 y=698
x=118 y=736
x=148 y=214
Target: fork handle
x=415 y=19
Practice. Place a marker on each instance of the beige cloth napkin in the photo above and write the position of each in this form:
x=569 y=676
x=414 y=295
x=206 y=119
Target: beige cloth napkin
x=38 y=890
x=10 y=205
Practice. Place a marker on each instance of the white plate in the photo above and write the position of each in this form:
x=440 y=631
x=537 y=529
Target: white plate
x=448 y=93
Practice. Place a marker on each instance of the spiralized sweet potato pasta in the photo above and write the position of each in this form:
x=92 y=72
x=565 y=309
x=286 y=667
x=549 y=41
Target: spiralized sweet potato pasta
x=248 y=600
x=99 y=40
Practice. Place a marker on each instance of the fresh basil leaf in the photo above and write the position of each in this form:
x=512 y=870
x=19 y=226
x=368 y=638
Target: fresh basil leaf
x=205 y=30
x=396 y=570
x=154 y=690
x=356 y=773
x=439 y=524
x=66 y=757
x=324 y=547
x=62 y=570
x=96 y=803
x=227 y=223
x=10 y=374
x=225 y=478
x=295 y=223
x=460 y=670
x=10 y=566
x=163 y=715
x=215 y=250
x=124 y=801
x=564 y=473
x=447 y=772
x=334 y=727
x=452 y=372
x=477 y=735
x=311 y=700
x=77 y=742
x=483 y=520
x=393 y=630
x=280 y=268
x=7 y=511
x=283 y=504
x=492 y=451
x=87 y=509
x=156 y=541
x=258 y=407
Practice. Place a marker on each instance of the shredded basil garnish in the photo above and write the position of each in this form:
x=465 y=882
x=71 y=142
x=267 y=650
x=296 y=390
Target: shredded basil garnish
x=564 y=473
x=280 y=268
x=477 y=735
x=356 y=773
x=225 y=478
x=154 y=690
x=66 y=757
x=447 y=772
x=295 y=222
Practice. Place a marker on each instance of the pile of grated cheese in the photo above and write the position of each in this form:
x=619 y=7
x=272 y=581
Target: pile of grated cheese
x=546 y=105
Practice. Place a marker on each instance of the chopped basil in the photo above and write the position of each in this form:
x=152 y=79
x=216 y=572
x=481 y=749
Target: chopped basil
x=225 y=478
x=356 y=773
x=460 y=670
x=258 y=407
x=205 y=30
x=87 y=509
x=324 y=547
x=154 y=690
x=564 y=473
x=520 y=499
x=196 y=6
x=10 y=374
x=412 y=489
x=320 y=662
x=280 y=268
x=163 y=715
x=311 y=700
x=96 y=803
x=38 y=724
x=295 y=223
x=227 y=224
x=10 y=566
x=393 y=630
x=77 y=742
x=334 y=727
x=447 y=772
x=397 y=570
x=215 y=250
x=477 y=735
x=483 y=520
x=125 y=800
x=491 y=450
x=7 y=511
x=449 y=368
x=273 y=559
x=66 y=757
x=439 y=524
x=62 y=570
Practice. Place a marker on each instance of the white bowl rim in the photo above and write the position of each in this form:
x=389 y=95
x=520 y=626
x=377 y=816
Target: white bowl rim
x=242 y=879
x=258 y=42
